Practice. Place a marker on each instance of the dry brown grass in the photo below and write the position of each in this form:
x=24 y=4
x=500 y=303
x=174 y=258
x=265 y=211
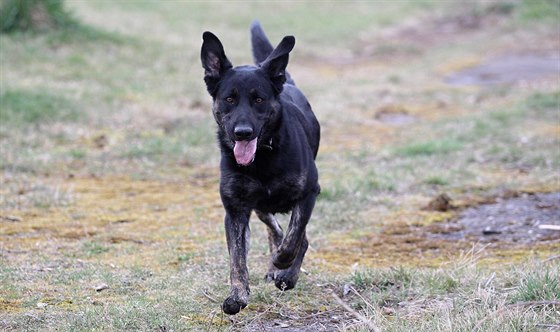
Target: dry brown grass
x=110 y=215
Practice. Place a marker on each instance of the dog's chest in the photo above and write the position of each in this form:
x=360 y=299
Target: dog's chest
x=280 y=194
x=292 y=185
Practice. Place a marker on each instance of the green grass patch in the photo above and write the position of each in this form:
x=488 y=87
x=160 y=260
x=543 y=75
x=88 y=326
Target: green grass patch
x=383 y=279
x=436 y=180
x=356 y=183
x=94 y=248
x=171 y=147
x=538 y=286
x=34 y=15
x=77 y=154
x=21 y=107
x=435 y=147
x=49 y=17
x=405 y=280
x=539 y=10
x=544 y=101
x=80 y=33
x=152 y=147
x=194 y=142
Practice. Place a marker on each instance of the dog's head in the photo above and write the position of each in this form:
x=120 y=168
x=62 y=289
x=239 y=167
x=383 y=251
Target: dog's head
x=246 y=104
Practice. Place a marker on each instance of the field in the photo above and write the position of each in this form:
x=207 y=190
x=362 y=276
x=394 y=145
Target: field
x=437 y=195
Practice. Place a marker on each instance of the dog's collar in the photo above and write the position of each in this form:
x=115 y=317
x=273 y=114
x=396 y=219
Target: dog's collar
x=267 y=146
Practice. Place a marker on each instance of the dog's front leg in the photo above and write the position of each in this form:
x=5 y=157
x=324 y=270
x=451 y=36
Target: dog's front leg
x=295 y=237
x=237 y=236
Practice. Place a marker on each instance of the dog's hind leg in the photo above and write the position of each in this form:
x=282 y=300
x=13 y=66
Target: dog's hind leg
x=275 y=236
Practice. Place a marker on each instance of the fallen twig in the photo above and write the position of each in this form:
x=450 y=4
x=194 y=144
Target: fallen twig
x=487 y=283
x=550 y=227
x=361 y=297
x=518 y=304
x=371 y=326
x=10 y=218
x=548 y=326
x=551 y=258
x=213 y=300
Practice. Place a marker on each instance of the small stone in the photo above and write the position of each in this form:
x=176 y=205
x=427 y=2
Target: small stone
x=490 y=231
x=441 y=203
x=98 y=303
x=42 y=305
x=550 y=227
x=101 y=287
x=388 y=311
x=281 y=325
x=100 y=141
x=346 y=289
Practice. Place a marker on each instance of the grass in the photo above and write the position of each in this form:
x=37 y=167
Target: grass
x=29 y=14
x=446 y=296
x=443 y=146
x=21 y=107
x=436 y=181
x=541 y=285
x=538 y=10
x=110 y=170
x=544 y=102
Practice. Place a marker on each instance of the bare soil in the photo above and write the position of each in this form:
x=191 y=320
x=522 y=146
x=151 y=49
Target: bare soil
x=508 y=68
x=513 y=220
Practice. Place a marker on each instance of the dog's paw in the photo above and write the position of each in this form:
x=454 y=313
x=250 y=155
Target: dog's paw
x=284 y=280
x=232 y=305
x=283 y=260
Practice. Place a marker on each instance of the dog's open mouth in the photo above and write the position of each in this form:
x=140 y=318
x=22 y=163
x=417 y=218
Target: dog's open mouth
x=245 y=151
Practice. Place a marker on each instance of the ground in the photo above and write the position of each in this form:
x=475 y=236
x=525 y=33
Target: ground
x=438 y=165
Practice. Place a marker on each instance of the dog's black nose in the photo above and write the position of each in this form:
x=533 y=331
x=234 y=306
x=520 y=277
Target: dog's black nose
x=242 y=132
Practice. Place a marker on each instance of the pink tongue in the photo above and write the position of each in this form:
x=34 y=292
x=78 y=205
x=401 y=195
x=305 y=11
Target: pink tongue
x=244 y=151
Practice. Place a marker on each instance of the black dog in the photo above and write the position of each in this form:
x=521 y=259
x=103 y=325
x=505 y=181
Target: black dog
x=269 y=139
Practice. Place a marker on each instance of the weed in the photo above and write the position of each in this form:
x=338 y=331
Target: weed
x=94 y=248
x=77 y=154
x=400 y=277
x=442 y=296
x=441 y=283
x=538 y=286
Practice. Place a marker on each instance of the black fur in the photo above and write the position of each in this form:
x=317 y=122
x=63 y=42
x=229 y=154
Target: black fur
x=262 y=102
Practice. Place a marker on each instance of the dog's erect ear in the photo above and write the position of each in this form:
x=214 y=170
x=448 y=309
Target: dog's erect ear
x=214 y=60
x=277 y=61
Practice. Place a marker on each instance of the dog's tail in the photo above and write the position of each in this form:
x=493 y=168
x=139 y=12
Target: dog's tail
x=262 y=47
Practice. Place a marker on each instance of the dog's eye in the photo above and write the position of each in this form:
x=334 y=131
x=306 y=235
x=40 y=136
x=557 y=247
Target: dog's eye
x=230 y=100
x=259 y=100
